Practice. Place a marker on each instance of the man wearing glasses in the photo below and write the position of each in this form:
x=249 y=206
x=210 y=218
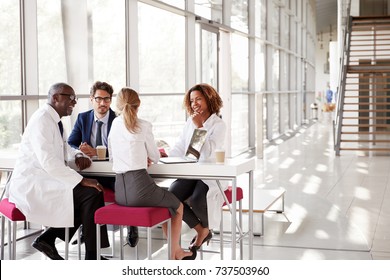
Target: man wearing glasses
x=91 y=130
x=45 y=189
x=85 y=132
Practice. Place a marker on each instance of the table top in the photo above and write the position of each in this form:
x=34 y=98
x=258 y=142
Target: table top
x=231 y=168
x=7 y=163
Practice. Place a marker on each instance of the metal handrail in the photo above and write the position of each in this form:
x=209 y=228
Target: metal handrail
x=344 y=61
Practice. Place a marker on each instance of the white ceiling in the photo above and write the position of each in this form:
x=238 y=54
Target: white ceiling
x=326 y=11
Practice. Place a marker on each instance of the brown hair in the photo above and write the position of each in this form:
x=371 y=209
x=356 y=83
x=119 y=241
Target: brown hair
x=128 y=103
x=103 y=86
x=213 y=100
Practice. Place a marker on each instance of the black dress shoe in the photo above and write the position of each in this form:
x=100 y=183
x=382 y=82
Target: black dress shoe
x=192 y=257
x=82 y=240
x=132 y=236
x=205 y=240
x=47 y=249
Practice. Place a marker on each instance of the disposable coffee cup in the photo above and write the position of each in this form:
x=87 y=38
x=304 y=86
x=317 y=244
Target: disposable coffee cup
x=101 y=152
x=220 y=156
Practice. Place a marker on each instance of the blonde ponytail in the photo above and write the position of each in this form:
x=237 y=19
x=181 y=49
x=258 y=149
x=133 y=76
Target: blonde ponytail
x=128 y=103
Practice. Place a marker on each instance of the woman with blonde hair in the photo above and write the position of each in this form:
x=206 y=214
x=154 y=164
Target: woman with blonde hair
x=131 y=143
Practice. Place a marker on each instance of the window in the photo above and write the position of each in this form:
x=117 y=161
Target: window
x=10 y=73
x=239 y=17
x=209 y=9
x=162 y=70
x=52 y=60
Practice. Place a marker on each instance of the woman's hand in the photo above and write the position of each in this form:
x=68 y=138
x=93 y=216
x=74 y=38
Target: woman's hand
x=197 y=119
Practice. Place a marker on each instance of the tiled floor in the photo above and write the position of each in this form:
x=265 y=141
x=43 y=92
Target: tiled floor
x=335 y=207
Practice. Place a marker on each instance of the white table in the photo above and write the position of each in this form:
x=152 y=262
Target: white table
x=230 y=170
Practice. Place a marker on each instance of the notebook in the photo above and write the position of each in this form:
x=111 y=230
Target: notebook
x=193 y=151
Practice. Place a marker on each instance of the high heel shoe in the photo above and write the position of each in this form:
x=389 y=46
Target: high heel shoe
x=192 y=257
x=205 y=240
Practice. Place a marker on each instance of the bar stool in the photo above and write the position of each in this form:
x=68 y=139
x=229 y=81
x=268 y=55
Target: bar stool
x=13 y=215
x=109 y=197
x=149 y=217
x=228 y=200
x=228 y=196
x=8 y=210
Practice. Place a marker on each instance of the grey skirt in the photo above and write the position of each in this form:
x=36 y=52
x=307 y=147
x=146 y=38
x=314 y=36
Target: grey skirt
x=137 y=188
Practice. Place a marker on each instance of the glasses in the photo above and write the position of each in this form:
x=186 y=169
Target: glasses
x=100 y=99
x=72 y=97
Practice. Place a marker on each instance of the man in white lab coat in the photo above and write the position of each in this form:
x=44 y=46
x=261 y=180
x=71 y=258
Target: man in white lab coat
x=45 y=189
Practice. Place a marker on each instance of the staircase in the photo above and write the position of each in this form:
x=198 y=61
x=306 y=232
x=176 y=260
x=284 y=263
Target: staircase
x=363 y=111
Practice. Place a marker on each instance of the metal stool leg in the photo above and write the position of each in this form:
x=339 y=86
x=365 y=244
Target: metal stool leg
x=66 y=243
x=149 y=242
x=9 y=240
x=120 y=242
x=98 y=249
x=2 y=236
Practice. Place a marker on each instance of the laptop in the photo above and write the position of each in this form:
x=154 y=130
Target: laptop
x=193 y=151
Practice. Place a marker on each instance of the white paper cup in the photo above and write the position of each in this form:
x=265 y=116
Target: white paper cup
x=101 y=152
x=220 y=156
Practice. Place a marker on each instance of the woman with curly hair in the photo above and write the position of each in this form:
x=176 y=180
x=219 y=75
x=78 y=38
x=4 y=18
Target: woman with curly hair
x=202 y=199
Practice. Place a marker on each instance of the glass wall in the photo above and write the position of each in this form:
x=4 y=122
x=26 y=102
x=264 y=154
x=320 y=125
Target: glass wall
x=240 y=87
x=209 y=9
x=162 y=70
x=10 y=73
x=161 y=49
x=50 y=31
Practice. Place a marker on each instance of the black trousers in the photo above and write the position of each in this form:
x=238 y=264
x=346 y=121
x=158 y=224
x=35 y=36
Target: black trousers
x=106 y=182
x=193 y=195
x=86 y=201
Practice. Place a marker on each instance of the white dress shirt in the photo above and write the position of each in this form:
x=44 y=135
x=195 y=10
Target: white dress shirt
x=42 y=185
x=104 y=129
x=130 y=151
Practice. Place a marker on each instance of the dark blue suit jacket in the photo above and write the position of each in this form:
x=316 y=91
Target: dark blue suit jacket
x=83 y=127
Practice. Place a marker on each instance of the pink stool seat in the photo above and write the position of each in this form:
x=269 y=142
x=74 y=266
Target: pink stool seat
x=229 y=194
x=109 y=195
x=12 y=213
x=115 y=214
x=149 y=217
x=9 y=210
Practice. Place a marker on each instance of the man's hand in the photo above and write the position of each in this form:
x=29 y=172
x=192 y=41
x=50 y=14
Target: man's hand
x=88 y=150
x=92 y=183
x=82 y=162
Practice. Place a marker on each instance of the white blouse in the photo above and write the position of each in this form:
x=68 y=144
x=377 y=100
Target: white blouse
x=215 y=139
x=130 y=151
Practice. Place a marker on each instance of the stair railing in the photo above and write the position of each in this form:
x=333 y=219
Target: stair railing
x=344 y=62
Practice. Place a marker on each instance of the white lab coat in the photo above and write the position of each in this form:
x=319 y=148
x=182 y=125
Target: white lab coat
x=216 y=129
x=42 y=184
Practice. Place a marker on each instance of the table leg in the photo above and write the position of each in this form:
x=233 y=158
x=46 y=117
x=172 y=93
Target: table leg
x=234 y=213
x=250 y=225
